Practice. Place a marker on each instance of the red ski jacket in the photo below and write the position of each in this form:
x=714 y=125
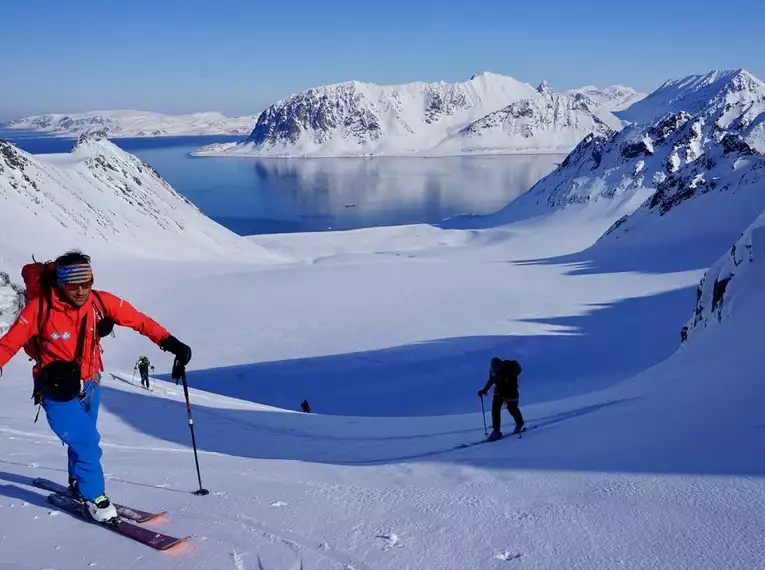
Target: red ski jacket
x=58 y=337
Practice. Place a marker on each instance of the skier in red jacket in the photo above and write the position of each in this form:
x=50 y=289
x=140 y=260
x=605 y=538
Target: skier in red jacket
x=62 y=331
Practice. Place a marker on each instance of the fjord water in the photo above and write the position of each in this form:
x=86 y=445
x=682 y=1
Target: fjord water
x=258 y=196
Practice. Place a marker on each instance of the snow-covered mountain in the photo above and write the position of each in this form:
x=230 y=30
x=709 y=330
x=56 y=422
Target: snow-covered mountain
x=98 y=193
x=611 y=98
x=737 y=274
x=716 y=194
x=694 y=149
x=488 y=113
x=120 y=123
x=551 y=121
x=724 y=97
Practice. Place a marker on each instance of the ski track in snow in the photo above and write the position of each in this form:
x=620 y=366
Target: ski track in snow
x=238 y=561
x=292 y=542
x=296 y=542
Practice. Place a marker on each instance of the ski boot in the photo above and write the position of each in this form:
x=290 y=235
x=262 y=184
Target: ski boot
x=518 y=429
x=74 y=491
x=494 y=435
x=101 y=509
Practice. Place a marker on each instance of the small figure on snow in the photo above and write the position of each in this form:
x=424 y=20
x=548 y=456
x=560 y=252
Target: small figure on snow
x=503 y=374
x=143 y=365
x=305 y=407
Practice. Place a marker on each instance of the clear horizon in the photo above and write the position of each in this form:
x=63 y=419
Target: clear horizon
x=240 y=57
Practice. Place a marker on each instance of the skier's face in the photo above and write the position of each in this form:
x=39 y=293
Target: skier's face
x=77 y=293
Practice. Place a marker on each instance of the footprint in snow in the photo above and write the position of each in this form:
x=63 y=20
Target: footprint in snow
x=279 y=504
x=508 y=556
x=391 y=540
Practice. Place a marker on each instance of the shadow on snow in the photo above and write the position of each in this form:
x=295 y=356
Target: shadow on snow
x=584 y=353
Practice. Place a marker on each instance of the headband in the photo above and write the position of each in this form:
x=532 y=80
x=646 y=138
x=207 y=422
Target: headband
x=80 y=273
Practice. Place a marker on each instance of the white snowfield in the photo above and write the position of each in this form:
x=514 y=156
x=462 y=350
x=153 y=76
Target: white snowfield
x=642 y=452
x=487 y=114
x=123 y=123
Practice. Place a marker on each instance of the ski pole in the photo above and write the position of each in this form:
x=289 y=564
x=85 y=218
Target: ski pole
x=182 y=372
x=483 y=413
x=132 y=380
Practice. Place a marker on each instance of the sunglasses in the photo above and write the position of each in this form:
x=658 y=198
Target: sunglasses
x=75 y=286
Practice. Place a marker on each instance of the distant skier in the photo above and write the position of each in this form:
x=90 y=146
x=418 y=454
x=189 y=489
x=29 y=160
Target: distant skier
x=65 y=323
x=143 y=365
x=305 y=407
x=503 y=374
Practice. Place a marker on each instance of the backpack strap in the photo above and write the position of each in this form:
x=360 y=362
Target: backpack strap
x=81 y=339
x=102 y=313
x=41 y=322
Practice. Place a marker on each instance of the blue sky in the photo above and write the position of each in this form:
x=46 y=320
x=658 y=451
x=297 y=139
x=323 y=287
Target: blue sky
x=239 y=56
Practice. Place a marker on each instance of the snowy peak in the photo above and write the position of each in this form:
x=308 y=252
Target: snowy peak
x=356 y=118
x=118 y=123
x=484 y=74
x=94 y=143
x=725 y=96
x=544 y=88
x=714 y=78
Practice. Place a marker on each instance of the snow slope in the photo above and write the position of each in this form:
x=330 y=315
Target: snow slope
x=98 y=193
x=552 y=122
x=732 y=283
x=585 y=489
x=488 y=113
x=715 y=195
x=755 y=133
x=119 y=123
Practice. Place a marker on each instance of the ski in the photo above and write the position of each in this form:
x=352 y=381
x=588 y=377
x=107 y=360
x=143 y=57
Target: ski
x=151 y=538
x=136 y=515
x=474 y=443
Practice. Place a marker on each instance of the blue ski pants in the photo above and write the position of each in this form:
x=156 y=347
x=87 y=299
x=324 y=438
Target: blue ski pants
x=74 y=422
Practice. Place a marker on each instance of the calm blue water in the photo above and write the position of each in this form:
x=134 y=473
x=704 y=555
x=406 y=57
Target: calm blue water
x=256 y=196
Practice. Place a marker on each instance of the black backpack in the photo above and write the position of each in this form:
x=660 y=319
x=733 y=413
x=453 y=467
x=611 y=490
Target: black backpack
x=512 y=367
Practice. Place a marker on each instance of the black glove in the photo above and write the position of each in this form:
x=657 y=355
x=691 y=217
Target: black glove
x=482 y=392
x=181 y=351
x=104 y=327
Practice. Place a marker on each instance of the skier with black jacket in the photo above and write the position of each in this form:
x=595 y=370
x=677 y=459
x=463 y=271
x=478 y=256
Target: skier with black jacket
x=143 y=365
x=503 y=375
